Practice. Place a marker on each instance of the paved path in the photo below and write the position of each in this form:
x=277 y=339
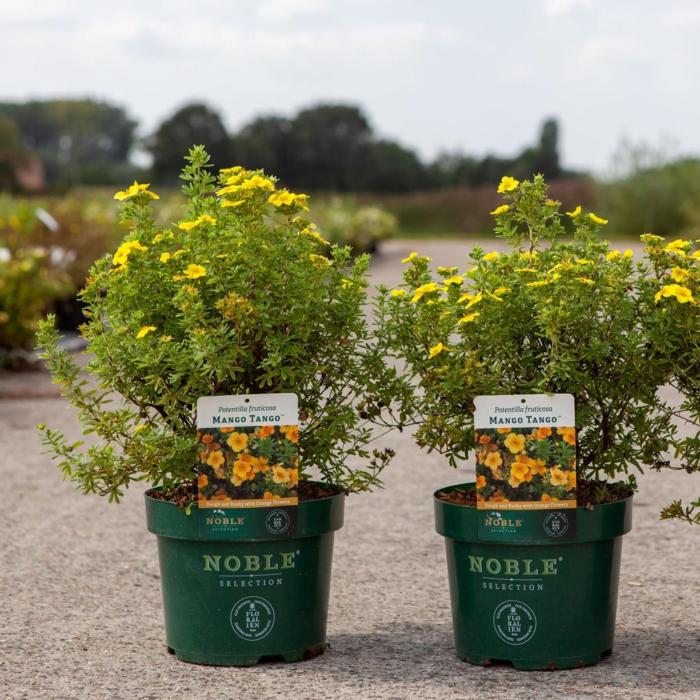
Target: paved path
x=80 y=595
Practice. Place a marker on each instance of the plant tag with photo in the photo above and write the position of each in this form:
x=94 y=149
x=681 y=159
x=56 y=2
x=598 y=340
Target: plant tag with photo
x=525 y=461
x=248 y=465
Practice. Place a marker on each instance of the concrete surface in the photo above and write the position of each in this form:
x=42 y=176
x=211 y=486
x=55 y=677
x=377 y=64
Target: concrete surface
x=81 y=609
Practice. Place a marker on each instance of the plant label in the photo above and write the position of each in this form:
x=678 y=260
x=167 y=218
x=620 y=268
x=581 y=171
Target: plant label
x=248 y=468
x=525 y=448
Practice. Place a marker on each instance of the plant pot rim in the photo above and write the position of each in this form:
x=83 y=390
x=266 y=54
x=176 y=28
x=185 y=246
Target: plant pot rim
x=315 y=517
x=605 y=521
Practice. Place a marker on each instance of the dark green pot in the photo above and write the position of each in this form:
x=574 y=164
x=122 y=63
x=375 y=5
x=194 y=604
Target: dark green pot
x=235 y=603
x=537 y=605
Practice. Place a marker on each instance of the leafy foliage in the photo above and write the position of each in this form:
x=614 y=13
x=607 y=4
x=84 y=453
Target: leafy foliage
x=234 y=299
x=552 y=316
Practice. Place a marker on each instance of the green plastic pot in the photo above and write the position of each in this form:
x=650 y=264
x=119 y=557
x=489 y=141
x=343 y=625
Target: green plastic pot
x=538 y=604
x=237 y=602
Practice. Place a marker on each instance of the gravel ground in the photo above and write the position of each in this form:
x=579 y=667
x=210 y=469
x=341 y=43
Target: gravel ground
x=81 y=609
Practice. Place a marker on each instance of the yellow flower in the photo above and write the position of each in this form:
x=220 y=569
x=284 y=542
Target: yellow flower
x=493 y=460
x=546 y=498
x=469 y=317
x=676 y=246
x=423 y=290
x=520 y=471
x=576 y=212
x=437 y=349
x=144 y=331
x=629 y=253
x=597 y=219
x=583 y=261
x=568 y=435
x=515 y=442
x=237 y=441
x=242 y=471
x=134 y=191
x=279 y=474
x=447 y=270
x=310 y=233
x=398 y=292
x=232 y=202
x=500 y=210
x=188 y=225
x=410 y=258
x=682 y=294
x=651 y=238
x=679 y=274
x=501 y=290
x=454 y=279
x=215 y=458
x=507 y=184
x=539 y=283
x=319 y=261
x=258 y=183
x=613 y=255
x=586 y=280
x=193 y=272
x=124 y=251
x=491 y=256
x=558 y=477
x=525 y=269
x=179 y=252
x=472 y=299
x=285 y=198
x=551 y=203
x=480 y=481
x=164 y=257
x=202 y=480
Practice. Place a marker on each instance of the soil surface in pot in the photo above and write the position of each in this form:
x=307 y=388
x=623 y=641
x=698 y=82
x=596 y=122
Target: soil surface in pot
x=588 y=494
x=185 y=494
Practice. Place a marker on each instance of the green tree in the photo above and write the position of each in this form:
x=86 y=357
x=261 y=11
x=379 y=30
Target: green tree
x=73 y=136
x=193 y=123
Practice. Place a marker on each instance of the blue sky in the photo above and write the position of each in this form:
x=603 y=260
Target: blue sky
x=476 y=76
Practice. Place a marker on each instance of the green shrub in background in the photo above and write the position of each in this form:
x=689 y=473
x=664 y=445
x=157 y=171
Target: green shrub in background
x=361 y=227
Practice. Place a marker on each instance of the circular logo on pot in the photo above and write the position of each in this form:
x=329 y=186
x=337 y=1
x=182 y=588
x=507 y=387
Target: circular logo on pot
x=515 y=623
x=277 y=522
x=252 y=618
x=556 y=524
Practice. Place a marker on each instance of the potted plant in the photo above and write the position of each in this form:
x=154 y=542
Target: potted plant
x=242 y=296
x=551 y=315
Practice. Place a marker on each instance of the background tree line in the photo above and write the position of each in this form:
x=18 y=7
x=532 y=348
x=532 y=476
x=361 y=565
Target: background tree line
x=329 y=147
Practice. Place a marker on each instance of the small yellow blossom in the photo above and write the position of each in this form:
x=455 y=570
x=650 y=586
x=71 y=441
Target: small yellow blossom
x=576 y=212
x=193 y=272
x=629 y=253
x=437 y=349
x=144 y=331
x=597 y=219
x=311 y=233
x=319 y=260
x=500 y=210
x=539 y=283
x=676 y=245
x=586 y=280
x=682 y=294
x=285 y=198
x=164 y=257
x=469 y=317
x=525 y=269
x=454 y=279
x=227 y=203
x=551 y=203
x=447 y=270
x=410 y=257
x=134 y=191
x=471 y=299
x=507 y=184
x=679 y=274
x=613 y=255
x=423 y=290
x=501 y=290
x=491 y=256
x=398 y=292
x=583 y=261
x=651 y=238
x=124 y=251
x=189 y=225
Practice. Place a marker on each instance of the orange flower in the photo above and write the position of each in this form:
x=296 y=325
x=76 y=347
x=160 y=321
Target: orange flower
x=484 y=439
x=202 y=480
x=215 y=459
x=279 y=474
x=226 y=430
x=572 y=480
x=515 y=442
x=207 y=438
x=558 y=477
x=292 y=432
x=237 y=441
x=242 y=471
x=293 y=477
x=265 y=431
x=493 y=460
x=538 y=467
x=546 y=498
x=542 y=433
x=503 y=430
x=568 y=435
x=480 y=481
x=268 y=496
x=520 y=471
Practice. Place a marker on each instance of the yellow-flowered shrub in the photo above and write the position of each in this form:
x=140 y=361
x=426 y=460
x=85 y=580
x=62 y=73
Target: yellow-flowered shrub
x=549 y=314
x=240 y=295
